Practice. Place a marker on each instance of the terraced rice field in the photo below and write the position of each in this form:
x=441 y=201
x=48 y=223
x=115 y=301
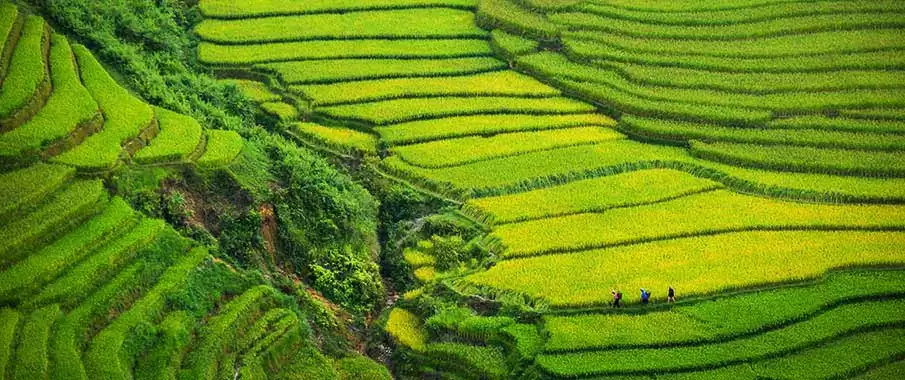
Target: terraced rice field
x=89 y=287
x=747 y=153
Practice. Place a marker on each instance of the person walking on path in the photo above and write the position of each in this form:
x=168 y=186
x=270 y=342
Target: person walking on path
x=645 y=296
x=671 y=297
x=617 y=298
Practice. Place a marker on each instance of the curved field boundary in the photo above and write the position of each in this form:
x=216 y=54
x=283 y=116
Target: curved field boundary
x=494 y=83
x=740 y=15
x=707 y=213
x=704 y=321
x=695 y=266
x=179 y=137
x=27 y=83
x=850 y=123
x=838 y=42
x=602 y=55
x=10 y=29
x=484 y=125
x=804 y=159
x=24 y=188
x=724 y=5
x=455 y=152
x=820 y=133
x=234 y=55
x=391 y=24
x=590 y=195
x=344 y=70
x=227 y=9
x=415 y=109
x=840 y=322
x=786 y=26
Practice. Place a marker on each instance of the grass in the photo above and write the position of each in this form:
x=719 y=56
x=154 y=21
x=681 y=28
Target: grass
x=694 y=266
x=67 y=208
x=754 y=29
x=452 y=127
x=344 y=139
x=706 y=321
x=406 y=329
x=256 y=91
x=9 y=319
x=32 y=359
x=93 y=271
x=776 y=134
x=41 y=267
x=24 y=188
x=454 y=152
x=178 y=138
x=714 y=212
x=603 y=55
x=125 y=116
x=222 y=148
x=805 y=159
x=391 y=24
x=405 y=110
x=26 y=69
x=836 y=41
x=342 y=70
x=69 y=106
x=342 y=49
x=590 y=195
x=111 y=354
x=839 y=321
x=497 y=83
x=260 y=8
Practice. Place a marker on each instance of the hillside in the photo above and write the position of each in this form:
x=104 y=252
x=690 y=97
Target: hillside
x=452 y=189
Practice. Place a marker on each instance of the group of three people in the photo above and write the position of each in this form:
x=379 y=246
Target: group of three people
x=645 y=296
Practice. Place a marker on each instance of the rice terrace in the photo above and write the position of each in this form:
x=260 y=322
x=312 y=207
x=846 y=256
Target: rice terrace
x=452 y=189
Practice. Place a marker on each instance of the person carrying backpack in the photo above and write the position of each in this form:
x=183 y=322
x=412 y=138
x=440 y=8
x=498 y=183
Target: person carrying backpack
x=645 y=296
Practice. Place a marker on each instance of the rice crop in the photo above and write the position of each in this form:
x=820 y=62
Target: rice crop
x=509 y=16
x=124 y=117
x=260 y=8
x=805 y=159
x=752 y=312
x=407 y=23
x=221 y=149
x=497 y=83
x=406 y=329
x=341 y=138
x=342 y=70
x=406 y=110
x=32 y=357
x=453 y=152
x=590 y=195
x=510 y=45
x=25 y=187
x=694 y=266
x=706 y=213
x=215 y=54
x=178 y=139
x=452 y=127
x=851 y=124
x=26 y=70
x=256 y=91
x=69 y=106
